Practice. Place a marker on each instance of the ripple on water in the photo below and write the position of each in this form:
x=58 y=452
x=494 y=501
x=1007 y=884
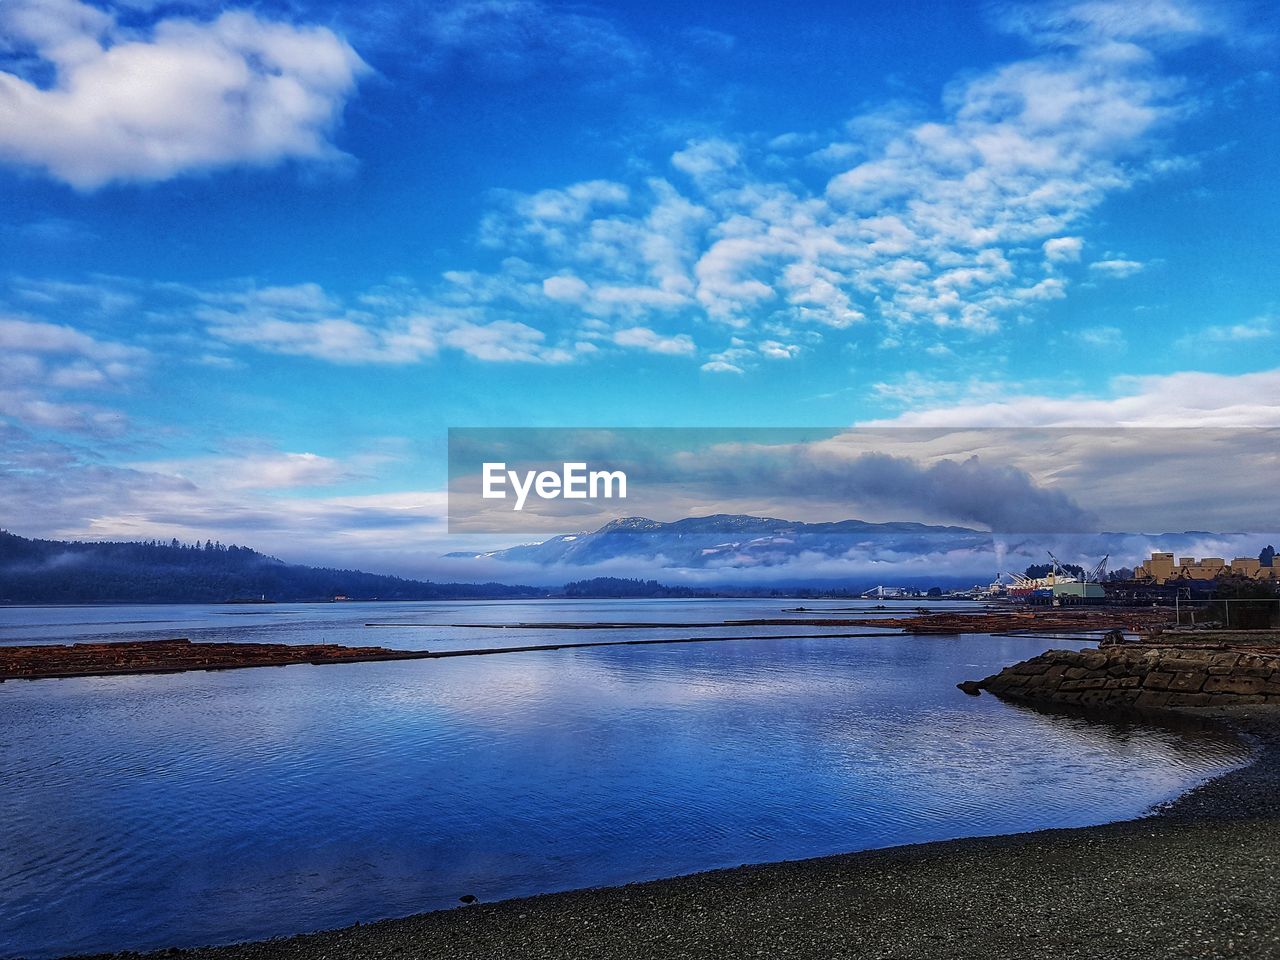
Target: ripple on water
x=191 y=808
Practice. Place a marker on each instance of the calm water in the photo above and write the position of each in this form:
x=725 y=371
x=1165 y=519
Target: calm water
x=210 y=807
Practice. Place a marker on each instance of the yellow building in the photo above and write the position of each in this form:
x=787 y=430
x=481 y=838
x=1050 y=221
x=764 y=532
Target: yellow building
x=1248 y=567
x=1161 y=568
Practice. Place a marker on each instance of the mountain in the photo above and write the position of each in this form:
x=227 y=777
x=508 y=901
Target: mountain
x=733 y=550
x=732 y=540
x=55 y=571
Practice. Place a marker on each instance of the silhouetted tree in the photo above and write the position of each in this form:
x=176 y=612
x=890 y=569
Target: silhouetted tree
x=1038 y=570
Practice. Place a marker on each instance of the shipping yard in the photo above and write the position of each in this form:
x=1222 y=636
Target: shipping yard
x=1160 y=579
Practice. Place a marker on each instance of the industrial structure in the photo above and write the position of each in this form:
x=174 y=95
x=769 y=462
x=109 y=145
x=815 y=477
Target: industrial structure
x=889 y=593
x=1057 y=587
x=1161 y=569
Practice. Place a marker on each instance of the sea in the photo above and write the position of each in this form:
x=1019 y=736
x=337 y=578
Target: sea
x=151 y=811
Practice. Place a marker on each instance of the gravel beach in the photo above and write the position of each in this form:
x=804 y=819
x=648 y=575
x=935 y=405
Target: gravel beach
x=1198 y=878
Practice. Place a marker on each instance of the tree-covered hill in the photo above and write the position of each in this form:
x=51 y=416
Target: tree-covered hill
x=618 y=587
x=55 y=571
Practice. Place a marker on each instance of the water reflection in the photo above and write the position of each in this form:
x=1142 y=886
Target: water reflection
x=192 y=808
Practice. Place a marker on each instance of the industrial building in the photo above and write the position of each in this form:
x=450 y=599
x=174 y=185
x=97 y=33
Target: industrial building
x=1058 y=587
x=1075 y=591
x=1161 y=569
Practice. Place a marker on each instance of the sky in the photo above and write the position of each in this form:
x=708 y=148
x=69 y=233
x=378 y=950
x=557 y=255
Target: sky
x=258 y=258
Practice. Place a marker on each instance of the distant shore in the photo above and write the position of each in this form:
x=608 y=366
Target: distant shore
x=43 y=661
x=1198 y=878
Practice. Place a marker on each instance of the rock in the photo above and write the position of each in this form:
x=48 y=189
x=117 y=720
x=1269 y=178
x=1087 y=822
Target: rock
x=1144 y=678
x=1190 y=699
x=1241 y=685
x=1190 y=681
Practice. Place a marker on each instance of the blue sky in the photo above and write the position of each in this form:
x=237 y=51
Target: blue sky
x=257 y=258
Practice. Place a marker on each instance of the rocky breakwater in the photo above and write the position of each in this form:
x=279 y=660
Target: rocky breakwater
x=1140 y=677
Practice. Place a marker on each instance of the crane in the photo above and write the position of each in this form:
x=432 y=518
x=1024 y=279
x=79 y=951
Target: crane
x=1058 y=572
x=1098 y=572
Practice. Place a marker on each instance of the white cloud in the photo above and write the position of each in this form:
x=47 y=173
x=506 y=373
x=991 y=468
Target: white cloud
x=964 y=220
x=398 y=325
x=1063 y=249
x=568 y=289
x=1188 y=399
x=255 y=470
x=642 y=337
x=1260 y=328
x=1118 y=269
x=774 y=350
x=1226 y=335
x=720 y=366
x=505 y=341
x=1050 y=288
x=184 y=96
x=914 y=389
x=932 y=222
x=733 y=359
x=27 y=336
x=707 y=161
x=1103 y=337
x=45 y=369
x=1162 y=22
x=390 y=326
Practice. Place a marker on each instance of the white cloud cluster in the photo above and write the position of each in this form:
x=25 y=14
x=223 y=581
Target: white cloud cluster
x=1063 y=249
x=955 y=223
x=386 y=327
x=1117 y=268
x=1259 y=328
x=395 y=325
x=185 y=96
x=1166 y=23
x=1187 y=399
x=257 y=470
x=46 y=368
x=740 y=353
x=961 y=222
x=646 y=339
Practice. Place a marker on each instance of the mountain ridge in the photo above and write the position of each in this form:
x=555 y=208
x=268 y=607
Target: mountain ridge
x=700 y=541
x=71 y=571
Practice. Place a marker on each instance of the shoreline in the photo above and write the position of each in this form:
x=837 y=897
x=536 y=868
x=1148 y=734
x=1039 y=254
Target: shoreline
x=1198 y=876
x=103 y=658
